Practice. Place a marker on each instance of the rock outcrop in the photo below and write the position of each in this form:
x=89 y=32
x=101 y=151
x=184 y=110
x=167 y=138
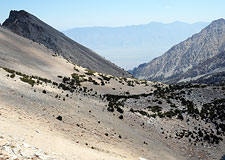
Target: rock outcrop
x=14 y=149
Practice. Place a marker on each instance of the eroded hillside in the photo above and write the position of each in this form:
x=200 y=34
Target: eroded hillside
x=69 y=112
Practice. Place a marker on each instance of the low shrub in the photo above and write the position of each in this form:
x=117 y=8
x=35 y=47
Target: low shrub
x=89 y=72
x=12 y=75
x=28 y=80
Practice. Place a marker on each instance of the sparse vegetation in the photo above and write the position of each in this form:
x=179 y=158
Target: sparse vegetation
x=155 y=108
x=105 y=77
x=170 y=102
x=9 y=70
x=12 y=75
x=76 y=69
x=76 y=78
x=89 y=72
x=28 y=80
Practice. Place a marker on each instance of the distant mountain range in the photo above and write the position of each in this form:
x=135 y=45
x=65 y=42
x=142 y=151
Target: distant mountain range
x=29 y=26
x=130 y=46
x=198 y=59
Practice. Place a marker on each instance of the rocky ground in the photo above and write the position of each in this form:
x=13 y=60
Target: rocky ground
x=75 y=126
x=155 y=125
x=192 y=116
x=62 y=111
x=15 y=149
x=78 y=119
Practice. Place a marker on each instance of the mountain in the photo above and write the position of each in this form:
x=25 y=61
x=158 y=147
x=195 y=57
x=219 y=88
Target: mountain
x=186 y=55
x=51 y=108
x=129 y=46
x=57 y=102
x=211 y=71
x=29 y=26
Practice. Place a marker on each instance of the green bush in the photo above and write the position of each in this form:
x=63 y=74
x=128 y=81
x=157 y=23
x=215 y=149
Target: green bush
x=12 y=75
x=63 y=86
x=9 y=70
x=76 y=69
x=105 y=77
x=21 y=74
x=89 y=72
x=28 y=80
x=155 y=108
x=76 y=78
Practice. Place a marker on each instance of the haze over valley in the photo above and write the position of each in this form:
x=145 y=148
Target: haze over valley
x=130 y=46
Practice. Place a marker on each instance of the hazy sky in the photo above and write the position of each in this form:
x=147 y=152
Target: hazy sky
x=65 y=14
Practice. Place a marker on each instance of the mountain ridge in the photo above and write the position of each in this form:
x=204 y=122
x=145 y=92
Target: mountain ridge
x=29 y=26
x=185 y=55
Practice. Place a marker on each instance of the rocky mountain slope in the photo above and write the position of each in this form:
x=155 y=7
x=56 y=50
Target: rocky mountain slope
x=29 y=26
x=129 y=46
x=57 y=102
x=51 y=108
x=205 y=72
x=186 y=55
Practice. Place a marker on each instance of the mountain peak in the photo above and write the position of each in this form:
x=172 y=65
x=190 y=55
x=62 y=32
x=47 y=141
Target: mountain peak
x=221 y=20
x=31 y=27
x=13 y=15
x=218 y=22
x=20 y=12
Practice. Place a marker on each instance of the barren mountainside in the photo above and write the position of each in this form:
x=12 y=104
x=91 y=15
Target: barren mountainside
x=185 y=55
x=29 y=26
x=51 y=108
x=207 y=69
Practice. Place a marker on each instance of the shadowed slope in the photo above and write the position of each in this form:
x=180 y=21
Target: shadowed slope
x=29 y=26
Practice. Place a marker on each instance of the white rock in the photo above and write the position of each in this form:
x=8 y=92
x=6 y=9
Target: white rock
x=8 y=149
x=26 y=145
x=27 y=153
x=140 y=158
x=13 y=157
